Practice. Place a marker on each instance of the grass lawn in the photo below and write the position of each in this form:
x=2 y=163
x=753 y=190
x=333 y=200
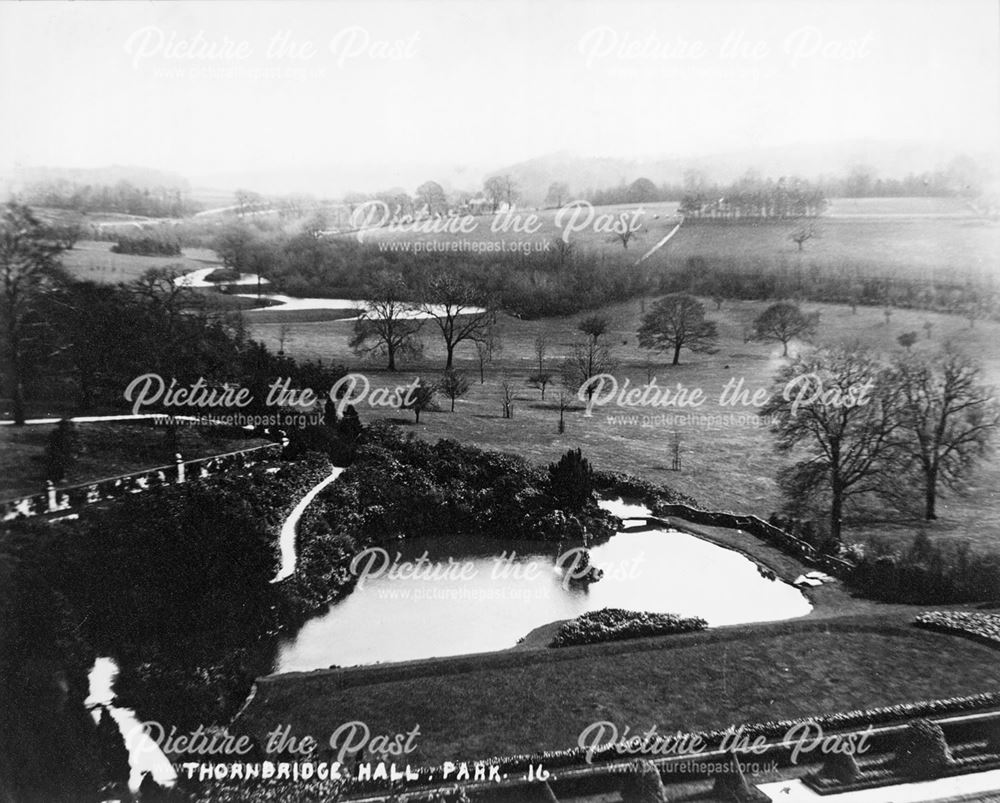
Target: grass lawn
x=728 y=460
x=107 y=450
x=692 y=682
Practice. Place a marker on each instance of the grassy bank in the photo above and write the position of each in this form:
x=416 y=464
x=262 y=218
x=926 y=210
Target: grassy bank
x=698 y=681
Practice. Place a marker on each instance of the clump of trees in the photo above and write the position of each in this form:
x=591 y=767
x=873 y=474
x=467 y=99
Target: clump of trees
x=29 y=272
x=755 y=199
x=747 y=278
x=865 y=429
x=86 y=342
x=147 y=246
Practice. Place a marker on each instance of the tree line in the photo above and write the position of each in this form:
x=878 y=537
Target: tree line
x=123 y=197
x=746 y=279
x=558 y=281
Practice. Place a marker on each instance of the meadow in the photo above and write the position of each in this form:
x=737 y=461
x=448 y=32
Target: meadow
x=93 y=260
x=728 y=461
x=919 y=238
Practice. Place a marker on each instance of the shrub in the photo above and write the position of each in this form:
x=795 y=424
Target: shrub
x=927 y=572
x=923 y=751
x=841 y=767
x=981 y=626
x=571 y=481
x=147 y=246
x=615 y=624
x=643 y=784
x=223 y=275
x=731 y=784
x=60 y=452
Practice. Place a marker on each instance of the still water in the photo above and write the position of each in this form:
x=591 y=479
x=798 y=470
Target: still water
x=451 y=595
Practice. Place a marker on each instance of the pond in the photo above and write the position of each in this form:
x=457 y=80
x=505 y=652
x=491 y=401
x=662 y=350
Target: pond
x=450 y=596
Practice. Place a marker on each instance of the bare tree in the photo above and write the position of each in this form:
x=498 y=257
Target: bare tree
x=540 y=380
x=541 y=346
x=594 y=326
x=507 y=394
x=167 y=298
x=649 y=367
x=454 y=384
x=587 y=359
x=784 y=322
x=845 y=434
x=385 y=326
x=460 y=310
x=283 y=331
x=557 y=194
x=625 y=228
x=676 y=322
x=948 y=418
x=563 y=402
x=803 y=234
x=488 y=345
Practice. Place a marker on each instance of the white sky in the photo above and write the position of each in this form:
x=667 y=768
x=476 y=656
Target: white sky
x=486 y=83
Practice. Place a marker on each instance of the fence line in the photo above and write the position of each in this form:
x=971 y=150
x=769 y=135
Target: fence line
x=73 y=497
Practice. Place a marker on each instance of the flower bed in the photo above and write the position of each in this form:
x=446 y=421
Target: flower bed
x=615 y=624
x=979 y=626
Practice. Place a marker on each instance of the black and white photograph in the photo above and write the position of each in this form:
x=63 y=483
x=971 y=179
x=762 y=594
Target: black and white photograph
x=486 y=401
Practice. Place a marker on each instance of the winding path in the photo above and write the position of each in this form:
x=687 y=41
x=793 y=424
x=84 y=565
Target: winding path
x=661 y=243
x=290 y=529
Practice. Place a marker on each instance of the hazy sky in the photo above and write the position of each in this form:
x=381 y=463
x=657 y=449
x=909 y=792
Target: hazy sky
x=193 y=87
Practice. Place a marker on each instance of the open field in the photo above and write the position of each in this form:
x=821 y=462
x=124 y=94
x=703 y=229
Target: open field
x=895 y=207
x=950 y=249
x=728 y=461
x=657 y=222
x=542 y=699
x=902 y=237
x=92 y=260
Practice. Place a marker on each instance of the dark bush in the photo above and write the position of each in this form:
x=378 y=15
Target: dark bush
x=841 y=767
x=643 y=784
x=147 y=246
x=571 y=481
x=61 y=450
x=927 y=573
x=223 y=275
x=731 y=784
x=615 y=624
x=923 y=751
